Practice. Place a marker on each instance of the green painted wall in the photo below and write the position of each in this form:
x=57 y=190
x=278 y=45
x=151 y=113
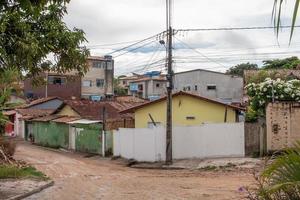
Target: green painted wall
x=88 y=139
x=51 y=134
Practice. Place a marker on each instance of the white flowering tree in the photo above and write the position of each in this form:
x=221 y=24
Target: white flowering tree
x=272 y=90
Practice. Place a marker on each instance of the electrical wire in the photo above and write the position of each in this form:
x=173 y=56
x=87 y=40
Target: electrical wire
x=233 y=28
x=198 y=52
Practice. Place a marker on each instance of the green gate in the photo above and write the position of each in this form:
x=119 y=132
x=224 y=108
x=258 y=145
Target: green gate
x=51 y=134
x=88 y=138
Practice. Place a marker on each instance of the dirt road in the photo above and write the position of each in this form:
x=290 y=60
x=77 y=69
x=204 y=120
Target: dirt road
x=77 y=177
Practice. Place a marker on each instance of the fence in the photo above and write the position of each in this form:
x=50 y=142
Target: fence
x=208 y=140
x=252 y=139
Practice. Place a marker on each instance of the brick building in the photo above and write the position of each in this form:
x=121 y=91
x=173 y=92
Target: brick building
x=96 y=84
x=282 y=120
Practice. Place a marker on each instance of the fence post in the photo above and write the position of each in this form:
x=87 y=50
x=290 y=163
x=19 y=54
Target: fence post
x=262 y=137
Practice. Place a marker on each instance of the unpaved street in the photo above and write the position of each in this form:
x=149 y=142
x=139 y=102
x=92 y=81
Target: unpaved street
x=77 y=177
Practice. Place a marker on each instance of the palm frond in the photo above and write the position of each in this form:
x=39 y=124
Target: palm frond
x=276 y=16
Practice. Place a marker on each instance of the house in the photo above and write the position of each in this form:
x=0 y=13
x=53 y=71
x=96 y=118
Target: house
x=78 y=124
x=65 y=86
x=151 y=86
x=188 y=109
x=125 y=81
x=96 y=84
x=20 y=117
x=210 y=84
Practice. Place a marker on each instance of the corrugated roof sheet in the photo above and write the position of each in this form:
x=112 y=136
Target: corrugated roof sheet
x=9 y=112
x=84 y=121
x=39 y=101
x=66 y=119
x=28 y=113
x=46 y=118
x=93 y=110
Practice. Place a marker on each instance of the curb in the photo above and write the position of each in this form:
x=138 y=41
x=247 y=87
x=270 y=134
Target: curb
x=22 y=196
x=157 y=167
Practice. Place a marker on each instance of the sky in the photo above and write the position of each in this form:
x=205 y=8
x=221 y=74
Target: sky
x=113 y=24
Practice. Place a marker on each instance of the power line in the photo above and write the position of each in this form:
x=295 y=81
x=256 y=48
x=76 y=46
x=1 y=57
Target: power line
x=131 y=50
x=233 y=28
x=198 y=52
x=141 y=41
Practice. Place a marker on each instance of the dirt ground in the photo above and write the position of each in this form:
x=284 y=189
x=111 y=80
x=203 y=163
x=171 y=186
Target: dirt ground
x=78 y=177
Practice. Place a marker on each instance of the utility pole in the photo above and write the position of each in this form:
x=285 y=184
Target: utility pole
x=103 y=131
x=169 y=156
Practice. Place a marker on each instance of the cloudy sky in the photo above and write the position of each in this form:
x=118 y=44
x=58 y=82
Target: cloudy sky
x=112 y=24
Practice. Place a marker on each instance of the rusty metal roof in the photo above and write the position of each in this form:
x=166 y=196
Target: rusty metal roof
x=28 y=113
x=46 y=118
x=9 y=112
x=39 y=101
x=66 y=119
x=93 y=110
x=130 y=99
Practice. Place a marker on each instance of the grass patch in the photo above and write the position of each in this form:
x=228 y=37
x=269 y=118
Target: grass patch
x=8 y=171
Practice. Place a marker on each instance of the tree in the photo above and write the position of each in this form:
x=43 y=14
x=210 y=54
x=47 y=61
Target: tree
x=280 y=180
x=287 y=63
x=9 y=82
x=32 y=31
x=118 y=90
x=238 y=70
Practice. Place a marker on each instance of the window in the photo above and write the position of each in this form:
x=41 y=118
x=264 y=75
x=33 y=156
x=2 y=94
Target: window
x=157 y=85
x=109 y=65
x=98 y=64
x=211 y=87
x=190 y=117
x=100 y=83
x=56 y=80
x=124 y=82
x=140 y=87
x=196 y=87
x=188 y=88
x=87 y=83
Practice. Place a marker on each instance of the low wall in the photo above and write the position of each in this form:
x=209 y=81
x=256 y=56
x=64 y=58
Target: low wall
x=208 y=140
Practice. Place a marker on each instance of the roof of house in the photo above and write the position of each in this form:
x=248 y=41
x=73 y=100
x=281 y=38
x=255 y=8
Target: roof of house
x=28 y=113
x=46 y=118
x=204 y=70
x=96 y=58
x=93 y=110
x=9 y=112
x=132 y=109
x=66 y=119
x=130 y=99
x=39 y=101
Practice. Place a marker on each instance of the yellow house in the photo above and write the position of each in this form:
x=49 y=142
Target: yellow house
x=188 y=109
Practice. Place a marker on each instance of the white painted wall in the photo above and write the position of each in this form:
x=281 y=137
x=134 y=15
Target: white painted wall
x=208 y=140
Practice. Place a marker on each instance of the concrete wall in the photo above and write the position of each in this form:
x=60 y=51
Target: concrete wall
x=208 y=140
x=282 y=125
x=228 y=88
x=183 y=107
